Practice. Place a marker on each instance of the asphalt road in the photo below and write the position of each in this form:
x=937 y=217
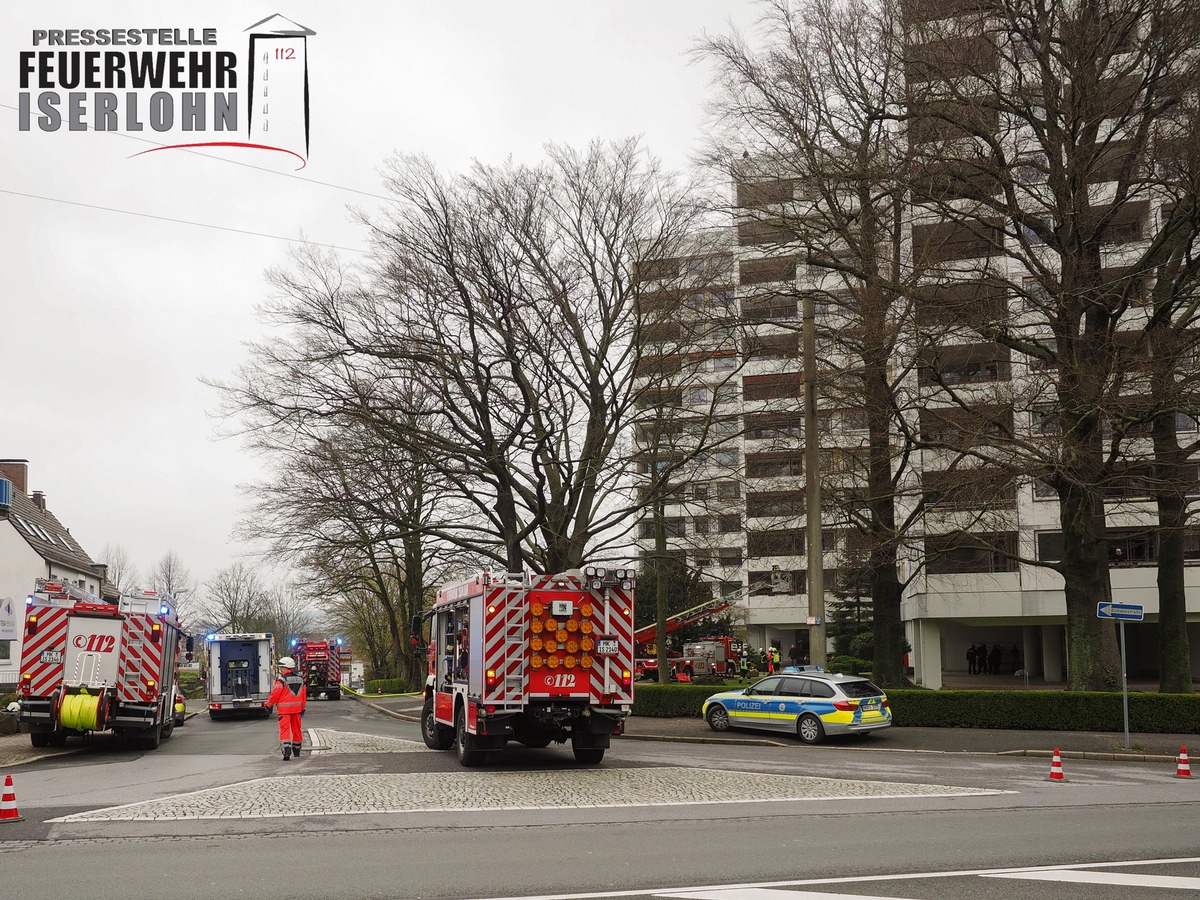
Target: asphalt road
x=217 y=812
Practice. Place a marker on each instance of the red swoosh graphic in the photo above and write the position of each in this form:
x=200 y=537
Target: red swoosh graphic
x=303 y=161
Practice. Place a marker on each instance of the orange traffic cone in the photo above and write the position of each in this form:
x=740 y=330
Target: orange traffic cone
x=1056 y=770
x=8 y=804
x=1183 y=769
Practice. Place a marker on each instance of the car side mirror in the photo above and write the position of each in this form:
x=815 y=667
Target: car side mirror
x=746 y=691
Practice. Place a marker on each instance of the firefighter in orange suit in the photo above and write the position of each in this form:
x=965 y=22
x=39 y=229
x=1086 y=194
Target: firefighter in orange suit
x=289 y=698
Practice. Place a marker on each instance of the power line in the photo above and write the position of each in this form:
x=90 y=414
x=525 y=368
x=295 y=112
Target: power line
x=234 y=162
x=220 y=159
x=127 y=212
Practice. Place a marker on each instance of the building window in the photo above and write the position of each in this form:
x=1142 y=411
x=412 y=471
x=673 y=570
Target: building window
x=773 y=387
x=729 y=524
x=774 y=465
x=730 y=557
x=775 y=503
x=781 y=542
x=981 y=553
x=701 y=524
x=728 y=490
x=1049 y=546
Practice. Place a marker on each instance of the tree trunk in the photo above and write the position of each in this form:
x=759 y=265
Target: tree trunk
x=1093 y=660
x=1174 y=651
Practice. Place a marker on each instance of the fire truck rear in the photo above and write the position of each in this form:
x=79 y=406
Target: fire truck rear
x=530 y=658
x=88 y=665
x=320 y=662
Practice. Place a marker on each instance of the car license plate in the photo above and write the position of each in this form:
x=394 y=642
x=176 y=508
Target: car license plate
x=606 y=647
x=870 y=706
x=52 y=656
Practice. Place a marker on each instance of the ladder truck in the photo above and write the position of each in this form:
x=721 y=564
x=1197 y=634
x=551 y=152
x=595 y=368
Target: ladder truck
x=721 y=655
x=92 y=666
x=531 y=659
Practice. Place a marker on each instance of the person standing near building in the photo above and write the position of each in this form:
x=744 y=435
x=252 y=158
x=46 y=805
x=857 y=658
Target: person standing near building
x=995 y=659
x=777 y=658
x=289 y=698
x=971 y=658
x=1016 y=659
x=794 y=655
x=981 y=656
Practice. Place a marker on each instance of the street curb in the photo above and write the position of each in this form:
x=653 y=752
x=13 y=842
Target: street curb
x=1113 y=756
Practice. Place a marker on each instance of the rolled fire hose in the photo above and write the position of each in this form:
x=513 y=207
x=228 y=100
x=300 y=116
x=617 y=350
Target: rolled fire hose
x=80 y=712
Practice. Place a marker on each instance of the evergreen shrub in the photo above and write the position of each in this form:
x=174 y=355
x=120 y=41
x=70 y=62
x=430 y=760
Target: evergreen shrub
x=1026 y=710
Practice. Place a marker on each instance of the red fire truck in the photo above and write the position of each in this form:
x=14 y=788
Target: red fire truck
x=88 y=665
x=705 y=660
x=647 y=664
x=320 y=662
x=530 y=658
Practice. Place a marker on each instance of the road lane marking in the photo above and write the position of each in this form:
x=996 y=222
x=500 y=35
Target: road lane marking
x=1075 y=876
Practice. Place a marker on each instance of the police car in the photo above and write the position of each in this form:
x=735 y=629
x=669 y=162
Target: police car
x=809 y=704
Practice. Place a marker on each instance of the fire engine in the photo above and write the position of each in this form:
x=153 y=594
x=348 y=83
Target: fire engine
x=89 y=665
x=320 y=662
x=713 y=655
x=704 y=660
x=530 y=658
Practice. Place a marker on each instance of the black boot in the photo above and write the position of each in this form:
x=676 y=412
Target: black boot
x=296 y=750
x=287 y=752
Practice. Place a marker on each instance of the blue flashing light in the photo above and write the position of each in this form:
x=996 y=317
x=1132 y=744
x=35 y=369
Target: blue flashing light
x=293 y=643
x=210 y=637
x=339 y=642
x=164 y=610
x=29 y=600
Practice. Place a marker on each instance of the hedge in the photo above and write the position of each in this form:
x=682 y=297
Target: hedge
x=388 y=686
x=1031 y=710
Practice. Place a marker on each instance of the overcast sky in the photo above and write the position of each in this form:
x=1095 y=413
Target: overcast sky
x=110 y=320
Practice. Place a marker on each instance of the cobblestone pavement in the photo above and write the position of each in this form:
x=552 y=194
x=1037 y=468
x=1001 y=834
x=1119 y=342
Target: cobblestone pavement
x=475 y=791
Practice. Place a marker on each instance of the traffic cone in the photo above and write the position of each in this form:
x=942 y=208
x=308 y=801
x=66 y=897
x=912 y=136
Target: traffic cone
x=1056 y=770
x=1183 y=769
x=8 y=804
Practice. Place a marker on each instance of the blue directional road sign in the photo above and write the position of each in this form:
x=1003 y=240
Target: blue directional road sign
x=1126 y=611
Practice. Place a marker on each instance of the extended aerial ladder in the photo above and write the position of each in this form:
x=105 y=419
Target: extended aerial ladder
x=779 y=582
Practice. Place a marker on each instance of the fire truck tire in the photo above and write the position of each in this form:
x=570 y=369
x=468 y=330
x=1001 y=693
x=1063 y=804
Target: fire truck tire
x=150 y=739
x=335 y=695
x=39 y=738
x=58 y=739
x=468 y=754
x=588 y=756
x=437 y=737
x=168 y=728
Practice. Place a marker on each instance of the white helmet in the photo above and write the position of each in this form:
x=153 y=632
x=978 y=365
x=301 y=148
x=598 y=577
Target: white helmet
x=287 y=662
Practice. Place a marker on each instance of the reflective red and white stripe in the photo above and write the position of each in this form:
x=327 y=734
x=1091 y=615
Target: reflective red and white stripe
x=506 y=643
x=51 y=637
x=141 y=660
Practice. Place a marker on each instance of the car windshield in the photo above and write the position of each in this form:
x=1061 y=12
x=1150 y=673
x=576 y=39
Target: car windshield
x=860 y=689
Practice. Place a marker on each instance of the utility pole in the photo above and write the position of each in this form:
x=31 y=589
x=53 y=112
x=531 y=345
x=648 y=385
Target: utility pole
x=812 y=490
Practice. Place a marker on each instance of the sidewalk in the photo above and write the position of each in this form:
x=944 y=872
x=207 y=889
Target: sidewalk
x=1071 y=744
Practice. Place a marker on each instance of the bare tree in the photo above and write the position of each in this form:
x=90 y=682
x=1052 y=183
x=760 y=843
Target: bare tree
x=1044 y=123
x=121 y=570
x=823 y=187
x=170 y=576
x=236 y=599
x=495 y=340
